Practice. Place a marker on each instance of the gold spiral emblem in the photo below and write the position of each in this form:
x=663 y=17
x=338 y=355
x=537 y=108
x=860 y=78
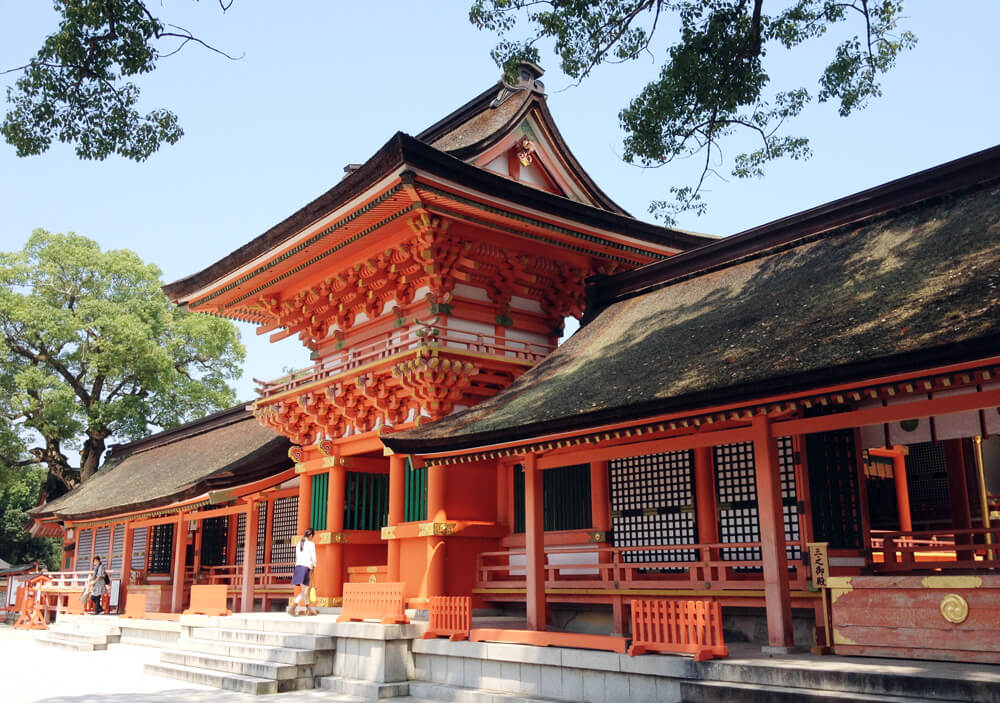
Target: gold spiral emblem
x=954 y=608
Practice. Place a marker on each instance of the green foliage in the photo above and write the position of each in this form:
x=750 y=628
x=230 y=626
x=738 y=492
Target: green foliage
x=18 y=494
x=77 y=88
x=714 y=82
x=93 y=349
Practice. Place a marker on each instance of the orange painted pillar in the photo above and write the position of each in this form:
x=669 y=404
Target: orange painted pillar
x=198 y=538
x=503 y=496
x=777 y=595
x=249 y=557
x=534 y=541
x=180 y=544
x=397 y=501
x=335 y=524
x=435 y=545
x=126 y=567
x=902 y=489
x=706 y=513
x=600 y=504
x=305 y=503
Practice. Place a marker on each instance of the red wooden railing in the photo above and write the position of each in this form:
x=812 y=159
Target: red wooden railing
x=693 y=566
x=387 y=346
x=231 y=575
x=902 y=552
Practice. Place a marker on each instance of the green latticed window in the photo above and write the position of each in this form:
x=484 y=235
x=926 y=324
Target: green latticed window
x=367 y=497
x=320 y=488
x=415 y=504
x=565 y=498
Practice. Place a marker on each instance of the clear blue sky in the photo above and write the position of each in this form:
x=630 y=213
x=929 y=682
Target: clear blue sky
x=324 y=84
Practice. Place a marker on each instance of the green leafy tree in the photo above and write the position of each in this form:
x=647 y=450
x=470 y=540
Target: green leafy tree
x=18 y=494
x=714 y=80
x=92 y=350
x=78 y=88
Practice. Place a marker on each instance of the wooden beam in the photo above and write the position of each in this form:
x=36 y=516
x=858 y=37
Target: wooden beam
x=180 y=543
x=657 y=446
x=249 y=557
x=397 y=501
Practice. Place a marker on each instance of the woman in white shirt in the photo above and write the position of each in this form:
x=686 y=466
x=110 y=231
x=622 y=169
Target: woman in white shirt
x=305 y=562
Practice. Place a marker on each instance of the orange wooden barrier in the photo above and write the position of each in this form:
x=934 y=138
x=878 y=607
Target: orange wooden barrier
x=208 y=600
x=678 y=626
x=74 y=606
x=135 y=606
x=374 y=601
x=29 y=596
x=450 y=616
x=543 y=638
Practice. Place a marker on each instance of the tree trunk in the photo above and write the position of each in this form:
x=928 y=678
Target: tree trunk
x=90 y=455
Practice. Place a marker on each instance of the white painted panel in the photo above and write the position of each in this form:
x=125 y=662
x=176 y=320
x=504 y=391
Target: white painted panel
x=872 y=435
x=530 y=337
x=528 y=304
x=909 y=431
x=992 y=415
x=516 y=560
x=956 y=425
x=575 y=557
x=464 y=290
x=471 y=326
x=499 y=165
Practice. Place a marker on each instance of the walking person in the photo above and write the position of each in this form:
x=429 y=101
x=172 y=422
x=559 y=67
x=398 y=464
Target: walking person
x=98 y=585
x=305 y=562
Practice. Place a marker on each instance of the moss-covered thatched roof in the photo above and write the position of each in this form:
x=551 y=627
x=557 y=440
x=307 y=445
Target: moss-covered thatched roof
x=892 y=290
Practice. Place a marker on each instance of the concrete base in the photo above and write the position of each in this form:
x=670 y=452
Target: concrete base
x=369 y=690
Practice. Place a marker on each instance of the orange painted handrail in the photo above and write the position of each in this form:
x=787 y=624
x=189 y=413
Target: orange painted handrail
x=208 y=600
x=374 y=601
x=678 y=627
x=450 y=616
x=135 y=606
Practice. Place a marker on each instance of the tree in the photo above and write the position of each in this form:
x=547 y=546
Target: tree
x=77 y=88
x=18 y=494
x=713 y=82
x=94 y=350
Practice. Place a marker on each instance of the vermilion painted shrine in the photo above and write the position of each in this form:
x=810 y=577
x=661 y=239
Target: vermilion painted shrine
x=799 y=421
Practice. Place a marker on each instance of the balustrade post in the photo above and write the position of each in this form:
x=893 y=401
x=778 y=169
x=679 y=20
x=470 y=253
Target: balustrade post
x=534 y=539
x=777 y=595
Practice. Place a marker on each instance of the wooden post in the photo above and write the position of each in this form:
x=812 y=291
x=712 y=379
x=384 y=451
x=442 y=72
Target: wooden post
x=126 y=567
x=198 y=539
x=305 y=503
x=249 y=557
x=335 y=524
x=600 y=505
x=435 y=545
x=902 y=488
x=777 y=596
x=180 y=543
x=706 y=515
x=958 y=492
x=534 y=540
x=397 y=502
x=503 y=497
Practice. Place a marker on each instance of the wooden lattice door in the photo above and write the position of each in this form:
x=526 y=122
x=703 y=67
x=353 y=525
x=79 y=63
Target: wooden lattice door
x=833 y=487
x=652 y=503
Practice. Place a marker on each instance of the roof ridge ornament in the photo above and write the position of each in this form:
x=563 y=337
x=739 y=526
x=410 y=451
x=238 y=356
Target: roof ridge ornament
x=527 y=79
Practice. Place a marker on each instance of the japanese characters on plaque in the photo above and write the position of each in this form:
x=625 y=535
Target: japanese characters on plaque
x=819 y=563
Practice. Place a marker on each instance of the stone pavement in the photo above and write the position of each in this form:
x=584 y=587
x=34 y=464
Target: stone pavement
x=33 y=673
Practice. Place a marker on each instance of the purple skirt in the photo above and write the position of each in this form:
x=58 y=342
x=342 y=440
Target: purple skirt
x=301 y=576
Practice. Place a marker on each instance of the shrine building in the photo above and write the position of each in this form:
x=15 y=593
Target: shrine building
x=793 y=422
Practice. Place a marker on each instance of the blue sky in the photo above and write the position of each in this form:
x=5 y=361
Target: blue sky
x=325 y=84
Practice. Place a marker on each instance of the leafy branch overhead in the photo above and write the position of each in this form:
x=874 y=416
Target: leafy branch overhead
x=78 y=88
x=713 y=83
x=93 y=350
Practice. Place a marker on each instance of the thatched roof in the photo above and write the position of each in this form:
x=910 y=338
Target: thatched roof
x=909 y=287
x=224 y=450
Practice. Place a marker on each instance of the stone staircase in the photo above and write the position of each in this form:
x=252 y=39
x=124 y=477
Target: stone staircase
x=240 y=657
x=863 y=680
x=80 y=635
